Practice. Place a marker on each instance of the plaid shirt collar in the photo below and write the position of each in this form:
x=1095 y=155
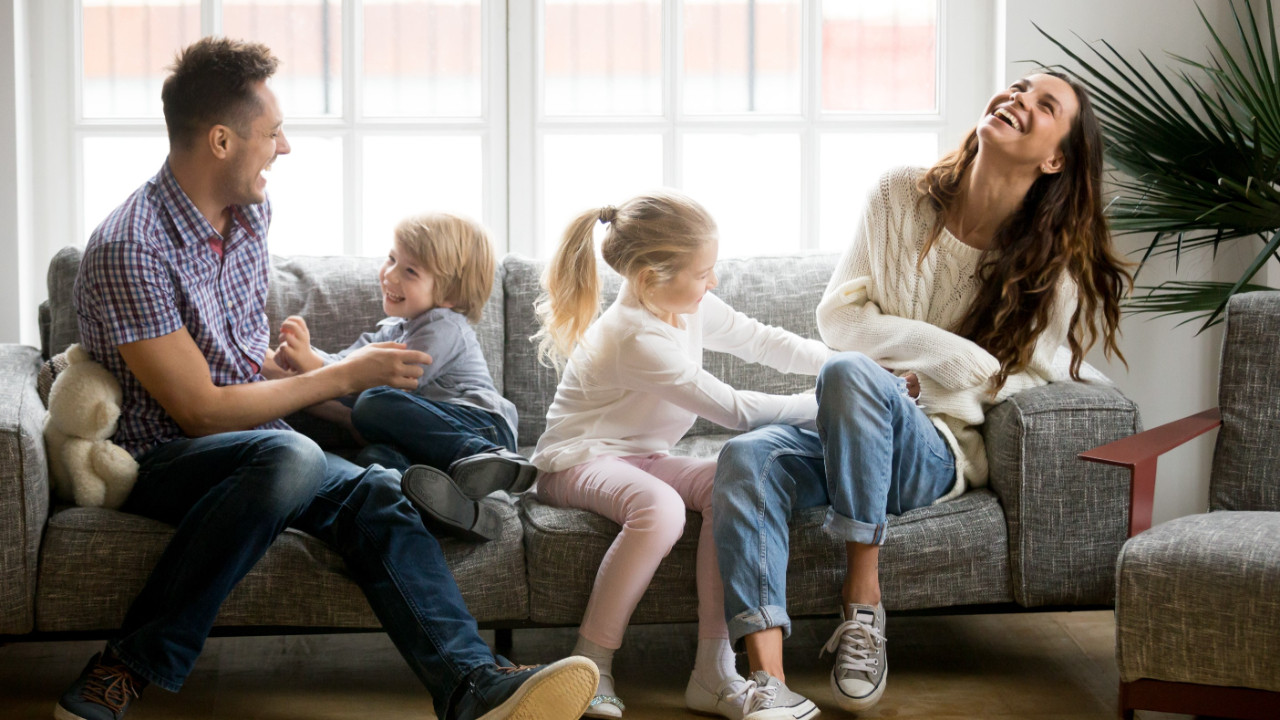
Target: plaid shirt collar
x=190 y=223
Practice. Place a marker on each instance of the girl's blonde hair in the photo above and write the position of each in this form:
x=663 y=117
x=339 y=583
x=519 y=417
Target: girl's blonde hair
x=648 y=240
x=457 y=252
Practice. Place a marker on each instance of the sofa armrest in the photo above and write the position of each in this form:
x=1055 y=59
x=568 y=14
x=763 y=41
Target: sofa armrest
x=24 y=486
x=1139 y=454
x=1066 y=519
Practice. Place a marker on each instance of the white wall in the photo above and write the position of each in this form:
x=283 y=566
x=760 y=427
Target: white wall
x=1172 y=371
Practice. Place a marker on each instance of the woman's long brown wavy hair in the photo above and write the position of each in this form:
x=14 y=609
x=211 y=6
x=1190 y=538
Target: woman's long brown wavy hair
x=1059 y=227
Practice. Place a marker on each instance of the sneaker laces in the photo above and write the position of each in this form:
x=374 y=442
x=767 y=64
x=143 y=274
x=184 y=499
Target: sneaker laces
x=512 y=669
x=111 y=685
x=754 y=696
x=855 y=644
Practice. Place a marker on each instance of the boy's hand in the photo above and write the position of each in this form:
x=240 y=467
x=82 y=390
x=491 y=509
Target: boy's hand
x=384 y=363
x=275 y=367
x=294 y=352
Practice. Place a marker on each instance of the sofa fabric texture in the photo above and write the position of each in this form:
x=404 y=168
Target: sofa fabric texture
x=1043 y=533
x=24 y=491
x=1063 y=540
x=1246 y=459
x=1197 y=602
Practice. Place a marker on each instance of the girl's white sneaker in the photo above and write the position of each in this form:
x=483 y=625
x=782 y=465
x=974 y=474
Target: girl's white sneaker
x=726 y=701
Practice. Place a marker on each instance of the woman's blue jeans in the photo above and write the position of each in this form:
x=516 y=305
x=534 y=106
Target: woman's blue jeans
x=230 y=495
x=404 y=429
x=875 y=454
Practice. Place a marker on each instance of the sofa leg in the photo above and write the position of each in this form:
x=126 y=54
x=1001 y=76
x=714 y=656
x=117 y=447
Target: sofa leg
x=502 y=641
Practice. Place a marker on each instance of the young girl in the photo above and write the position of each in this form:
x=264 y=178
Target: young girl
x=633 y=386
x=972 y=275
x=437 y=277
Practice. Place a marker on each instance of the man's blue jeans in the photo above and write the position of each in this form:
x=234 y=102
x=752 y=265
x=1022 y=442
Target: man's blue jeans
x=875 y=454
x=231 y=494
x=404 y=429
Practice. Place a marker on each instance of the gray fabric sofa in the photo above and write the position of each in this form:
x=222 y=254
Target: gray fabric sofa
x=1045 y=533
x=1198 y=597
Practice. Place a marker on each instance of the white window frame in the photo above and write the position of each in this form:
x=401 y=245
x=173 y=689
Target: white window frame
x=965 y=74
x=63 y=127
x=511 y=127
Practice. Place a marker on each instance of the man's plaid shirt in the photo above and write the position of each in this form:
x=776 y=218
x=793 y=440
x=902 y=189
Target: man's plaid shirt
x=149 y=270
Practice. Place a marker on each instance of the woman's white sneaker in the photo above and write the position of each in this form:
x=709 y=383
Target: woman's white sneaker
x=725 y=701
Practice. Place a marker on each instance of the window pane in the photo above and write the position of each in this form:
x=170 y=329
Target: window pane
x=591 y=171
x=851 y=164
x=307 y=37
x=127 y=46
x=305 y=187
x=422 y=58
x=113 y=168
x=879 y=56
x=751 y=186
x=405 y=176
x=742 y=56
x=602 y=57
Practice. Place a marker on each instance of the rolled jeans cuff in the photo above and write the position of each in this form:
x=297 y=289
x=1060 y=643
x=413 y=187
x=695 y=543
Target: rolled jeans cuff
x=850 y=530
x=753 y=621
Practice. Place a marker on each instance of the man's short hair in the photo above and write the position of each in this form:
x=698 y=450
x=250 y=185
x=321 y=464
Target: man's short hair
x=210 y=83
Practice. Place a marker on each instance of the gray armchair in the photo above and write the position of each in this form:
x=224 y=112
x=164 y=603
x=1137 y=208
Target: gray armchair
x=1198 y=598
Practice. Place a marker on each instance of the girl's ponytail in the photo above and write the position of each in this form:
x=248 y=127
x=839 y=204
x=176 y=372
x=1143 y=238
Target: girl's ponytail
x=571 y=290
x=649 y=239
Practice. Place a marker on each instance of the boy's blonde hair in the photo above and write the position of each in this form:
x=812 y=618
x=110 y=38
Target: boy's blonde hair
x=457 y=252
x=649 y=239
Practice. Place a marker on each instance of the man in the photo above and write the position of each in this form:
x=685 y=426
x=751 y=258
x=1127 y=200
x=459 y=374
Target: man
x=170 y=298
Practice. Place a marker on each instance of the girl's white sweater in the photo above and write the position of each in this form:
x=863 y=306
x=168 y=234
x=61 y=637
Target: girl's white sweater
x=635 y=384
x=878 y=303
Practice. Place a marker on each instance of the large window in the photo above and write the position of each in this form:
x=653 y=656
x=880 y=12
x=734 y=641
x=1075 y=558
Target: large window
x=776 y=114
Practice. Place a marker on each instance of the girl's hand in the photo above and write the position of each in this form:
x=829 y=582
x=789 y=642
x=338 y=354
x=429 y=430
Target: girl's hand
x=294 y=352
x=913 y=385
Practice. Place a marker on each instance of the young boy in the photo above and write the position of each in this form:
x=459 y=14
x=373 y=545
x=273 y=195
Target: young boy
x=436 y=278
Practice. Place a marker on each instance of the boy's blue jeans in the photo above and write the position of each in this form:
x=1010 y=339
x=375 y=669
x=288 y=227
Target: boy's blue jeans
x=231 y=494
x=875 y=453
x=404 y=429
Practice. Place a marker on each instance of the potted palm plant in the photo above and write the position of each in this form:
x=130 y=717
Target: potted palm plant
x=1194 y=151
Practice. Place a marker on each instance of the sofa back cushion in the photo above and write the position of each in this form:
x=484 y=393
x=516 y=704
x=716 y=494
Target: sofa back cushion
x=1246 y=461
x=782 y=291
x=338 y=296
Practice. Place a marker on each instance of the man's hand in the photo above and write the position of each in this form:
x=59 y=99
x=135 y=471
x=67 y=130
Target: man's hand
x=294 y=352
x=384 y=363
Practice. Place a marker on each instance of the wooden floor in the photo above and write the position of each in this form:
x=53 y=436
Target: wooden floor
x=1056 y=666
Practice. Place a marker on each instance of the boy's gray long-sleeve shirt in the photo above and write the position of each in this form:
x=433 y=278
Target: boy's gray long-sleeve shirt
x=457 y=373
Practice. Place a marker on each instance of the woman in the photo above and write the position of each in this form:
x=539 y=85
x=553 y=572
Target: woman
x=966 y=279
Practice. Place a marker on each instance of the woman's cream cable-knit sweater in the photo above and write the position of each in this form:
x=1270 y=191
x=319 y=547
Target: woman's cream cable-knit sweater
x=879 y=304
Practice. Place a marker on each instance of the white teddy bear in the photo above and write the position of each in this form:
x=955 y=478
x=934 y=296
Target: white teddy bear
x=85 y=466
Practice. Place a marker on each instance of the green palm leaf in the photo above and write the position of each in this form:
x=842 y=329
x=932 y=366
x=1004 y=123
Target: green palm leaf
x=1194 y=153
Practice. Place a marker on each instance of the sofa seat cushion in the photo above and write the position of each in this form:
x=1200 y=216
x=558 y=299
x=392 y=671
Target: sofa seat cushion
x=1197 y=601
x=954 y=553
x=95 y=561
